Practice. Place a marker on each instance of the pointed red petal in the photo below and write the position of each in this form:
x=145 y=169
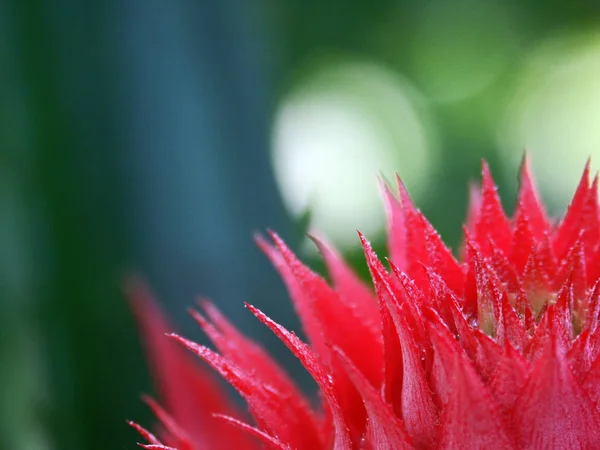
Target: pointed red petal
x=493 y=224
x=338 y=322
x=319 y=373
x=441 y=260
x=300 y=299
x=539 y=339
x=177 y=435
x=522 y=243
x=418 y=409
x=396 y=227
x=590 y=220
x=273 y=410
x=153 y=440
x=489 y=353
x=529 y=204
x=302 y=427
x=580 y=355
x=508 y=379
x=562 y=323
x=553 y=411
x=470 y=419
x=327 y=321
x=416 y=244
x=513 y=328
x=189 y=392
x=352 y=290
x=568 y=230
x=442 y=299
x=470 y=297
x=506 y=271
x=269 y=441
x=573 y=270
x=593 y=265
x=247 y=354
x=392 y=386
x=593 y=345
x=384 y=429
x=544 y=252
x=465 y=336
x=592 y=315
x=156 y=447
x=536 y=282
x=393 y=370
x=408 y=287
x=489 y=291
x=440 y=375
x=523 y=307
x=591 y=383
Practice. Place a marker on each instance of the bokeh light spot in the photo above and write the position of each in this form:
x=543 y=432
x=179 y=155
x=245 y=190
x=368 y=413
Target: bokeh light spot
x=554 y=114
x=339 y=128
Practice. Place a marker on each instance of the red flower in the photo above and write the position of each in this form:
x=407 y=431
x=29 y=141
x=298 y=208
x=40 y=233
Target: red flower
x=498 y=350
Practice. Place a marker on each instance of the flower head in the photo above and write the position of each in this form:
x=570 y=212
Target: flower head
x=497 y=349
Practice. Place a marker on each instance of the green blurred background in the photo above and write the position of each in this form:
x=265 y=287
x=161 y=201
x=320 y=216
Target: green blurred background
x=155 y=137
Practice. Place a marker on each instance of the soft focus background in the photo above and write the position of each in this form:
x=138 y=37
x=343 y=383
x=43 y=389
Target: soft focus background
x=157 y=136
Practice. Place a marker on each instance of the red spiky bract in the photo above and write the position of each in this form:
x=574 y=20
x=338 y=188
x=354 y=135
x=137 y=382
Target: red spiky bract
x=499 y=349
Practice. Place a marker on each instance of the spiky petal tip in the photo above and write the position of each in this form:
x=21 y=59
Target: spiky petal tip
x=498 y=349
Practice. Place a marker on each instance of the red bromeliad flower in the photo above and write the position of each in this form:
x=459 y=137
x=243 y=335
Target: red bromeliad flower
x=500 y=349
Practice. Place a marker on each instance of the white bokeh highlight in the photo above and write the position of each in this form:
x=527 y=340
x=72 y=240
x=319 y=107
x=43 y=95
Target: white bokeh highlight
x=335 y=133
x=555 y=114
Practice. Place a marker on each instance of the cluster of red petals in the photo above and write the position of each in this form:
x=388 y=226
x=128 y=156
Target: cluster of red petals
x=500 y=349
